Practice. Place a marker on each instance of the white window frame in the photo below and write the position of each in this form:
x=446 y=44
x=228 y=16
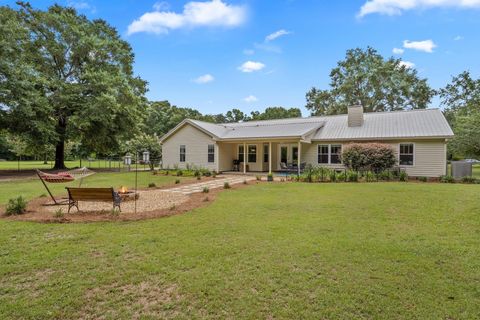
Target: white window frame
x=184 y=153
x=211 y=152
x=413 y=154
x=329 y=154
x=248 y=153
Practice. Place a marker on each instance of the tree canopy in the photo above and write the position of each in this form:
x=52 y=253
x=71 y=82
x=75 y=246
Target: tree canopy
x=461 y=100
x=66 y=77
x=378 y=84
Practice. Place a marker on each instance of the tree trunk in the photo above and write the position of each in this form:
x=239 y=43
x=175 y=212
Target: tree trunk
x=60 y=147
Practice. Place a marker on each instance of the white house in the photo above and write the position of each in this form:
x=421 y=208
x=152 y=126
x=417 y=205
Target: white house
x=418 y=136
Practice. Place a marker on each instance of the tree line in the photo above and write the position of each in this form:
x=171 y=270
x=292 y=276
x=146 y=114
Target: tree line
x=67 y=87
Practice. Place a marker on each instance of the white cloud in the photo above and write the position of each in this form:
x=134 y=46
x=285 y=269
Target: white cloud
x=398 y=51
x=458 y=38
x=161 y=6
x=251 y=66
x=396 y=7
x=425 y=45
x=206 y=78
x=407 y=64
x=82 y=5
x=195 y=14
x=248 y=52
x=250 y=99
x=276 y=34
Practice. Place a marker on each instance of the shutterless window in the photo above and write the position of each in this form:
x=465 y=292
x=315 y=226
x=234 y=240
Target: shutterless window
x=406 y=154
x=265 y=153
x=252 y=153
x=182 y=153
x=323 y=153
x=241 y=153
x=211 y=153
x=335 y=153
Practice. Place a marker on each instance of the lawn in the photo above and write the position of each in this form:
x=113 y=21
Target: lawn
x=27 y=165
x=284 y=250
x=30 y=189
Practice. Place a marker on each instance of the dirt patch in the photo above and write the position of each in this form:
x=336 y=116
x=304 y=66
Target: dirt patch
x=37 y=210
x=135 y=301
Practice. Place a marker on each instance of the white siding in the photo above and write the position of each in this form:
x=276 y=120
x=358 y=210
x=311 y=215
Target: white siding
x=196 y=143
x=429 y=160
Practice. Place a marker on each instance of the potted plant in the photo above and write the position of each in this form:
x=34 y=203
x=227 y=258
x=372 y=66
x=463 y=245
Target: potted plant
x=270 y=177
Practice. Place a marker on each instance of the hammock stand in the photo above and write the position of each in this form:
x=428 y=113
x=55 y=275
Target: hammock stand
x=63 y=177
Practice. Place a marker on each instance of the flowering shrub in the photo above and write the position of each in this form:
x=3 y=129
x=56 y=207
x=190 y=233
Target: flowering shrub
x=368 y=156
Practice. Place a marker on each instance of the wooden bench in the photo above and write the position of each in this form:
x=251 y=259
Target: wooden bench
x=92 y=194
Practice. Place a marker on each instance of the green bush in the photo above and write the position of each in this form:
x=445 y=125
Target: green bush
x=152 y=185
x=259 y=178
x=59 y=213
x=469 y=179
x=207 y=173
x=385 y=175
x=206 y=190
x=16 y=206
x=352 y=176
x=447 y=179
x=403 y=176
x=332 y=176
x=226 y=185
x=197 y=173
x=422 y=179
x=372 y=156
x=370 y=176
x=179 y=173
x=342 y=176
x=177 y=181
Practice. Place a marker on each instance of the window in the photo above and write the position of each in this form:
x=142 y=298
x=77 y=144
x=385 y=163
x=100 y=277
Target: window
x=284 y=154
x=323 y=153
x=211 y=153
x=252 y=153
x=295 y=154
x=265 y=152
x=406 y=154
x=335 y=153
x=241 y=153
x=182 y=153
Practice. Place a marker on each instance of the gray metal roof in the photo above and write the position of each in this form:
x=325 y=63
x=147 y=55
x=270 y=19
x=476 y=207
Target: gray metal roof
x=426 y=123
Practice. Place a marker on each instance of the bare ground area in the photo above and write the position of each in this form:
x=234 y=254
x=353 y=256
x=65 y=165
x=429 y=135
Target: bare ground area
x=152 y=203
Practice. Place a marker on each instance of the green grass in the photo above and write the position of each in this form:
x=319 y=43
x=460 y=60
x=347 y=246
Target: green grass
x=323 y=251
x=27 y=165
x=30 y=189
x=476 y=171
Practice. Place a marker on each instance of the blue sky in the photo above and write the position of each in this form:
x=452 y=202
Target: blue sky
x=251 y=54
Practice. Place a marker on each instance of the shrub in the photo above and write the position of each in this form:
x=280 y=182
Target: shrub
x=372 y=156
x=352 y=176
x=214 y=174
x=152 y=185
x=423 y=179
x=447 y=179
x=468 y=179
x=259 y=178
x=177 y=181
x=199 y=177
x=226 y=185
x=16 y=206
x=403 y=176
x=197 y=173
x=179 y=173
x=207 y=173
x=370 y=176
x=59 y=213
x=167 y=172
x=333 y=176
x=308 y=173
x=206 y=190
x=342 y=176
x=385 y=175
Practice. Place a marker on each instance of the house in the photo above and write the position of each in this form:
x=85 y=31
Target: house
x=418 y=136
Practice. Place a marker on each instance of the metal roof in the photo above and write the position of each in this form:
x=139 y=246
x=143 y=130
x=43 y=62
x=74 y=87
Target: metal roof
x=424 y=123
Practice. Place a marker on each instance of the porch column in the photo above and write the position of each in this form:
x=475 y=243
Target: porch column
x=270 y=158
x=299 y=156
x=245 y=157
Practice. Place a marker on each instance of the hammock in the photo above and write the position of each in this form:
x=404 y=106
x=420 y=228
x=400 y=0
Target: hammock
x=63 y=177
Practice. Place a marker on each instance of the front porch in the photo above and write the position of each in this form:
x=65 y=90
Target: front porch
x=261 y=157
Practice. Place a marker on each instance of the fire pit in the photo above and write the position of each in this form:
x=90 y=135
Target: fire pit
x=127 y=195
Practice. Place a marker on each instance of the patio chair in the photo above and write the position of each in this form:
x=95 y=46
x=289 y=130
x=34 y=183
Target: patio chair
x=283 y=166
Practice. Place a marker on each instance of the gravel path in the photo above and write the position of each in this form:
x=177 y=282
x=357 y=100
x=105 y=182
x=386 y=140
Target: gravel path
x=149 y=200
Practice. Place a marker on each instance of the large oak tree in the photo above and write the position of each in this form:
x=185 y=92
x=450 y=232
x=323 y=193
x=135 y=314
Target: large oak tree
x=65 y=77
x=378 y=84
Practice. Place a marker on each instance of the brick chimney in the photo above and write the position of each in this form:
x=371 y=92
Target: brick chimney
x=355 y=116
